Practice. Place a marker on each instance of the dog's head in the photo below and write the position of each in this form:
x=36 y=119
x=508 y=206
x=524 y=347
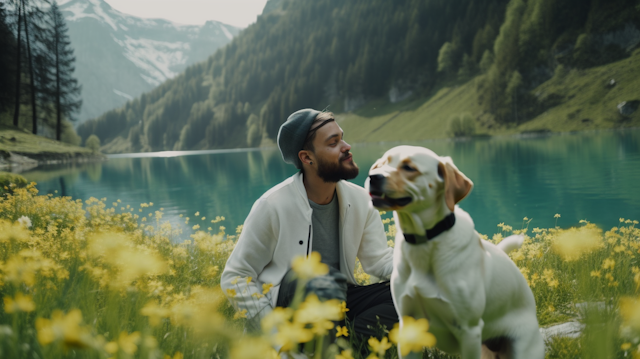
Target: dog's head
x=411 y=179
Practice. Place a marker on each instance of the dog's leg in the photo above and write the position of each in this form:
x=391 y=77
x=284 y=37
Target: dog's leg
x=470 y=339
x=529 y=347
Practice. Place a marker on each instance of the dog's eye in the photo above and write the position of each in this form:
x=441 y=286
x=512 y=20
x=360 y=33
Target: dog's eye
x=408 y=168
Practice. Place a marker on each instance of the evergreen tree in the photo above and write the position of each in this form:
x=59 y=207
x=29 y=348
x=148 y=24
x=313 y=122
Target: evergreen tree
x=7 y=61
x=17 y=5
x=64 y=90
x=28 y=18
x=31 y=17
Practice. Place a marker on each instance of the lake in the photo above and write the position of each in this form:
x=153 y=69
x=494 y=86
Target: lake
x=590 y=175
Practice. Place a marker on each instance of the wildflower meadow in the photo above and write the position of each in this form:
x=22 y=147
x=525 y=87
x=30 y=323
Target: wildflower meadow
x=99 y=279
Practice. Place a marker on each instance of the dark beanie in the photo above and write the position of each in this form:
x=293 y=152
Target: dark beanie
x=293 y=133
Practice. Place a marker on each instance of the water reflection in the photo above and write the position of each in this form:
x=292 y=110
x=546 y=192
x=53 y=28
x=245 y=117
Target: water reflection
x=581 y=176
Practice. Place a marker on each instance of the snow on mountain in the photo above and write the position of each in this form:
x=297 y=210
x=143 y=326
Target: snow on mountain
x=119 y=56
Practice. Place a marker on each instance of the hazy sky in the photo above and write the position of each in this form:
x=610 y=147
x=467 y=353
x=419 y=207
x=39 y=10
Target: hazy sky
x=239 y=13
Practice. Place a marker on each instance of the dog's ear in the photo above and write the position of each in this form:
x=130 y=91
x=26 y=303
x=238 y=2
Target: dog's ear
x=456 y=185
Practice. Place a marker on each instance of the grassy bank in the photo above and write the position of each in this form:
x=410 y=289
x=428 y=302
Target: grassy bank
x=585 y=101
x=96 y=279
x=37 y=148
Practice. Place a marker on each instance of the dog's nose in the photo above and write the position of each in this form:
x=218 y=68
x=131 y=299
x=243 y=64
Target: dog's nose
x=376 y=181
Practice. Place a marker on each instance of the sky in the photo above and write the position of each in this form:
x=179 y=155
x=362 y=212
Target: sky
x=238 y=13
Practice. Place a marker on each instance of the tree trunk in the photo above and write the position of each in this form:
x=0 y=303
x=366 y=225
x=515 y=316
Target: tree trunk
x=16 y=112
x=58 y=94
x=34 y=117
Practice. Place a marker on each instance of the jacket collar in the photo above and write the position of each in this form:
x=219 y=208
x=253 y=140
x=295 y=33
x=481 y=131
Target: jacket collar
x=343 y=201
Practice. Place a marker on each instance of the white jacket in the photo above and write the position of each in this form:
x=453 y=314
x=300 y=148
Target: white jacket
x=278 y=229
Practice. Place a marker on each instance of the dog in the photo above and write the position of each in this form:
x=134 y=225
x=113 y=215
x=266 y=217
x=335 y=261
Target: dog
x=476 y=300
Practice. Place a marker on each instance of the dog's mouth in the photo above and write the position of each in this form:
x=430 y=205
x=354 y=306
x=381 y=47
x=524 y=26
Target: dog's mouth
x=381 y=200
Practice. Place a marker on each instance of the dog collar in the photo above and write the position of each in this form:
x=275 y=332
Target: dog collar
x=444 y=225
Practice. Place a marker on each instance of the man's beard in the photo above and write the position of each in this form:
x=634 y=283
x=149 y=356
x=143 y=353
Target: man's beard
x=334 y=172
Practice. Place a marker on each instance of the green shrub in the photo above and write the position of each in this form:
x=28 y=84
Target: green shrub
x=11 y=181
x=93 y=143
x=462 y=125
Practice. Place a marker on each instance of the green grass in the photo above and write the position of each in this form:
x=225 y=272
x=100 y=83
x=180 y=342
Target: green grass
x=97 y=279
x=27 y=143
x=586 y=104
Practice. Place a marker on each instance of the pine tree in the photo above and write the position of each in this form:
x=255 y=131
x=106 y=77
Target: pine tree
x=7 y=61
x=27 y=17
x=65 y=90
x=18 y=61
x=31 y=17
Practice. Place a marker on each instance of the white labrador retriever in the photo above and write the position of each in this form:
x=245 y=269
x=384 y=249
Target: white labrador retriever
x=476 y=300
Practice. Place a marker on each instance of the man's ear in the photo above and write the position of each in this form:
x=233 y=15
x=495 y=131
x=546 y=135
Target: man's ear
x=306 y=156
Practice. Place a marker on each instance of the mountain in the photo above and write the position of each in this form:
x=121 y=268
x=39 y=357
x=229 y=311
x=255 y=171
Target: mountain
x=119 y=56
x=346 y=54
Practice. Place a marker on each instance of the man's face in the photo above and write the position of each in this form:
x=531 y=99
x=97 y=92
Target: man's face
x=335 y=162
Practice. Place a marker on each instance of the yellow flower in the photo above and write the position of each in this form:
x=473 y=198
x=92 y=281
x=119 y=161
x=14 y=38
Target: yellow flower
x=380 y=347
x=21 y=303
x=557 y=215
x=312 y=310
x=266 y=287
x=65 y=328
x=342 y=331
x=596 y=273
x=252 y=348
x=234 y=281
x=630 y=312
x=346 y=354
x=625 y=346
x=178 y=355
x=249 y=280
x=311 y=267
x=572 y=243
x=155 y=313
x=197 y=214
x=549 y=277
x=240 y=314
x=257 y=295
x=608 y=263
x=277 y=317
x=517 y=255
x=344 y=308
x=291 y=334
x=128 y=343
x=413 y=335
x=231 y=293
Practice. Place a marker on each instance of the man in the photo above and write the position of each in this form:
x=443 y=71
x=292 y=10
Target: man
x=314 y=210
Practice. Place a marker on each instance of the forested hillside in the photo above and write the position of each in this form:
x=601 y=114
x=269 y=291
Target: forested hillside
x=342 y=54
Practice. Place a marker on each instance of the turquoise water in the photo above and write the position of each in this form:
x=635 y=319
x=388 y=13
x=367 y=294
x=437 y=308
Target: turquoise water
x=592 y=176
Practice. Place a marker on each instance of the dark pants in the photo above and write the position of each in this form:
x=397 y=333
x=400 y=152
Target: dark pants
x=369 y=306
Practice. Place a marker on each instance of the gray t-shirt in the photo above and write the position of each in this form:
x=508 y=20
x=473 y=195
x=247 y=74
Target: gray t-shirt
x=326 y=235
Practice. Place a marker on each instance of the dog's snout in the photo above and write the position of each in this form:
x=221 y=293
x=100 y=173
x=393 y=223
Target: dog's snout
x=377 y=178
x=376 y=182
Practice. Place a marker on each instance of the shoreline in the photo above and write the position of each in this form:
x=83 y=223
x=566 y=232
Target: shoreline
x=519 y=135
x=18 y=162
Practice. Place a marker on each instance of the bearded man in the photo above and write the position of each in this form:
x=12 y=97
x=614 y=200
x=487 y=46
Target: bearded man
x=314 y=210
